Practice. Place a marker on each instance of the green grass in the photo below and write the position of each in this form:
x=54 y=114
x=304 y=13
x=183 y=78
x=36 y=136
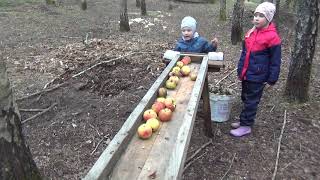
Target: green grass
x=7 y=3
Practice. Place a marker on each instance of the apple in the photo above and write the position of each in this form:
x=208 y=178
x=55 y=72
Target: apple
x=149 y=114
x=193 y=76
x=153 y=123
x=186 y=60
x=144 y=131
x=185 y=70
x=170 y=84
x=165 y=114
x=180 y=64
x=157 y=106
x=175 y=79
x=162 y=92
x=170 y=103
x=160 y=99
x=176 y=69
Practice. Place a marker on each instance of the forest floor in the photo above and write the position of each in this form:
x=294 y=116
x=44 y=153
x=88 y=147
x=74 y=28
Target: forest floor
x=43 y=46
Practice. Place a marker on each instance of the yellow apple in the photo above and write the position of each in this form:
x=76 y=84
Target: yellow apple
x=162 y=92
x=170 y=84
x=180 y=64
x=153 y=123
x=193 y=76
x=175 y=79
x=185 y=70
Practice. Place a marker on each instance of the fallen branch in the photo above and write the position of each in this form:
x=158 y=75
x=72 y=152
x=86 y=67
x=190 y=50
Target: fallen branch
x=41 y=92
x=31 y=110
x=279 y=145
x=189 y=163
x=202 y=147
x=44 y=111
x=97 y=146
x=226 y=76
x=229 y=167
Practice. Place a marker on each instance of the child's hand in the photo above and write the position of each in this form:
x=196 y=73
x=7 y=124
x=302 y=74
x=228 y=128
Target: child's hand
x=214 y=42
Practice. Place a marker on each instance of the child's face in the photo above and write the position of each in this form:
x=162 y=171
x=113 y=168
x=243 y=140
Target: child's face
x=187 y=33
x=260 y=21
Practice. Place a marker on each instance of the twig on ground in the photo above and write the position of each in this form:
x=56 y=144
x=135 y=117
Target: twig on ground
x=202 y=147
x=279 y=145
x=189 y=163
x=97 y=146
x=272 y=108
x=44 y=111
x=31 y=110
x=232 y=84
x=41 y=92
x=226 y=76
x=229 y=167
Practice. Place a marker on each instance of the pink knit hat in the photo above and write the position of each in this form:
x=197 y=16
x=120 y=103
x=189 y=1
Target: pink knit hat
x=267 y=9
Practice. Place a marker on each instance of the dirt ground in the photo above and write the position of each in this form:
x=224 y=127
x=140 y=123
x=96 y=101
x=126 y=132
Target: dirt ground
x=46 y=45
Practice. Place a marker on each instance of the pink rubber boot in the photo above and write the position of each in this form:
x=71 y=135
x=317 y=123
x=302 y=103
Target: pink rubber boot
x=241 y=131
x=235 y=125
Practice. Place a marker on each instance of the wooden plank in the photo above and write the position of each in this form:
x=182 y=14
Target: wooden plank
x=177 y=158
x=104 y=165
x=212 y=64
x=206 y=108
x=166 y=140
x=133 y=158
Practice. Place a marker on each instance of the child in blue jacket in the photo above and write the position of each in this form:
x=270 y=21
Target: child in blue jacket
x=259 y=65
x=191 y=41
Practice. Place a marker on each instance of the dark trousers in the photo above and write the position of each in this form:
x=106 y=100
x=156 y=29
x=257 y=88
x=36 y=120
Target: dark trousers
x=251 y=94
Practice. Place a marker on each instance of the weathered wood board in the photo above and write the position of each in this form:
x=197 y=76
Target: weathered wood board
x=163 y=155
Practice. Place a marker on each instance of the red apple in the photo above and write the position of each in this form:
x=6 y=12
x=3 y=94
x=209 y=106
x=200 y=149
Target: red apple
x=149 y=114
x=165 y=115
x=157 y=106
x=144 y=131
x=186 y=60
x=170 y=103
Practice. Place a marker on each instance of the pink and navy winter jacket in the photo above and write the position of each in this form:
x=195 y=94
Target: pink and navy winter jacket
x=261 y=56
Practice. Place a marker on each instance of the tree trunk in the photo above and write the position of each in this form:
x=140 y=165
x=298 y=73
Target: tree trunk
x=276 y=15
x=83 y=4
x=287 y=4
x=15 y=158
x=223 y=12
x=124 y=20
x=138 y=3
x=143 y=8
x=236 y=30
x=298 y=81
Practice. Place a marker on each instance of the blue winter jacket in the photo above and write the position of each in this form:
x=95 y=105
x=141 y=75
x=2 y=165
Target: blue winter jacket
x=195 y=45
x=261 y=56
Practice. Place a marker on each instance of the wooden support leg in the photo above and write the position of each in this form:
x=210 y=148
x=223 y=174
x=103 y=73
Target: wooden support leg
x=206 y=109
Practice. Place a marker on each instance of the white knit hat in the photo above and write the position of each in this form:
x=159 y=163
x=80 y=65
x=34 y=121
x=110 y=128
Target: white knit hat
x=189 y=22
x=267 y=9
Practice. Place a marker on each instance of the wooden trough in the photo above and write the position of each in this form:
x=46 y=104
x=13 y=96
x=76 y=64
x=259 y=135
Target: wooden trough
x=127 y=157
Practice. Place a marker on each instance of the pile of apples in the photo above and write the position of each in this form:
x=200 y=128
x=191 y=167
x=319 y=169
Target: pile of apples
x=181 y=69
x=161 y=110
